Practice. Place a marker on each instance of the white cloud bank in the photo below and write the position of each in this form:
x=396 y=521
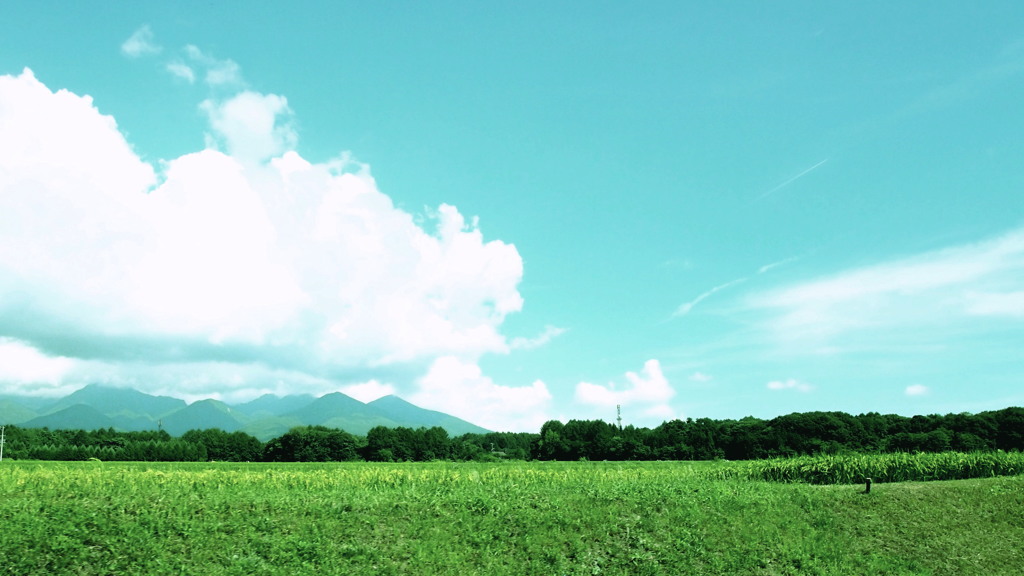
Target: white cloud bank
x=243 y=255
x=22 y=363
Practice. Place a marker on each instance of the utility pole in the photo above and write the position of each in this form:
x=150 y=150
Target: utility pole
x=2 y=443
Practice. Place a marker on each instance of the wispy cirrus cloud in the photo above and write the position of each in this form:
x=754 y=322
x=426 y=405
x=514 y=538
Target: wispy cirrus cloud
x=686 y=307
x=1004 y=65
x=219 y=72
x=182 y=70
x=778 y=264
x=954 y=289
x=995 y=304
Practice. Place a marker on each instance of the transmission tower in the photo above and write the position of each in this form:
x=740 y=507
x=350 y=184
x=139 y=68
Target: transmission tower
x=618 y=412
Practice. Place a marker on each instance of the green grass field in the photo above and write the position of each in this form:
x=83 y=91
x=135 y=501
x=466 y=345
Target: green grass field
x=509 y=518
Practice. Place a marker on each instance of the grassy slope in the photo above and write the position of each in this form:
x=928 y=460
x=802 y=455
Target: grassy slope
x=587 y=518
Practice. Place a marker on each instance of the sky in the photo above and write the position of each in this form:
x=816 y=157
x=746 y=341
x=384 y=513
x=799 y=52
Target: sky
x=517 y=212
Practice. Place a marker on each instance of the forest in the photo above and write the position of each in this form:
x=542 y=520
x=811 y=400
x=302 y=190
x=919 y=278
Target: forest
x=807 y=433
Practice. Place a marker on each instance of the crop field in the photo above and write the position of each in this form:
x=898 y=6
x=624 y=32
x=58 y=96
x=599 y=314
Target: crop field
x=901 y=467
x=510 y=518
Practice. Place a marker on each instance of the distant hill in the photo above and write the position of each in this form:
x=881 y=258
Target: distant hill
x=201 y=415
x=12 y=412
x=125 y=401
x=337 y=410
x=272 y=405
x=34 y=403
x=77 y=417
x=328 y=406
x=415 y=417
x=271 y=427
x=96 y=406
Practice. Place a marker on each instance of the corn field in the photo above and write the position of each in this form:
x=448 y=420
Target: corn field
x=898 y=467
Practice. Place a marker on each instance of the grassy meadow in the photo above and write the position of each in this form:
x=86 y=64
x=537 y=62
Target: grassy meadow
x=505 y=518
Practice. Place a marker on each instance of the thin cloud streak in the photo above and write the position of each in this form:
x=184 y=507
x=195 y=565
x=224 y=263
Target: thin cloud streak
x=774 y=265
x=793 y=179
x=687 y=307
x=684 y=309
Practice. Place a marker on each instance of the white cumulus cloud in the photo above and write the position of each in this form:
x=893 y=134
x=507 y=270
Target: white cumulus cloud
x=252 y=126
x=368 y=391
x=648 y=390
x=460 y=388
x=247 y=256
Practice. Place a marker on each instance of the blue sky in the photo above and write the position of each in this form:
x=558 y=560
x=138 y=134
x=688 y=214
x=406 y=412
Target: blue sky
x=517 y=212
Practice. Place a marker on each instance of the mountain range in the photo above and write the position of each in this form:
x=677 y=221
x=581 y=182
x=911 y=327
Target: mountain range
x=96 y=406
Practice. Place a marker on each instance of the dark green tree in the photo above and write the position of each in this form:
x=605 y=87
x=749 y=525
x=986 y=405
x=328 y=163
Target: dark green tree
x=312 y=444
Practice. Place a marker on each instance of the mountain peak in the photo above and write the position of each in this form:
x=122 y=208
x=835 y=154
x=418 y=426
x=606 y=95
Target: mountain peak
x=102 y=406
x=418 y=417
x=112 y=400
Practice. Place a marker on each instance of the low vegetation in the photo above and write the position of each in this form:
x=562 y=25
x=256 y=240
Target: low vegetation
x=900 y=467
x=509 y=518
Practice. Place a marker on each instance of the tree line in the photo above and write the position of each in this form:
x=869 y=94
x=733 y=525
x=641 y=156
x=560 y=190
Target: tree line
x=806 y=433
x=300 y=444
